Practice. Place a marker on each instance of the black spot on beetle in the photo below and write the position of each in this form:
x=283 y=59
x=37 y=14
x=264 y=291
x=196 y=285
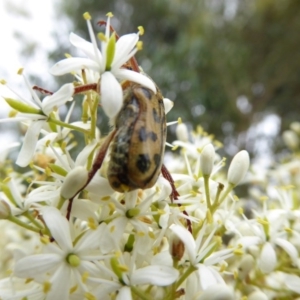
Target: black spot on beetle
x=156 y=117
x=143 y=134
x=143 y=163
x=153 y=136
x=157 y=159
x=147 y=93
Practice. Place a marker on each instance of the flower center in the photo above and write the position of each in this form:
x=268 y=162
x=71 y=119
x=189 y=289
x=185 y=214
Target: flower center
x=73 y=260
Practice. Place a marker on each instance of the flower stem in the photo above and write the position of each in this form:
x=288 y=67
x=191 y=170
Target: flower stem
x=218 y=203
x=33 y=220
x=139 y=293
x=207 y=193
x=24 y=225
x=66 y=125
x=185 y=275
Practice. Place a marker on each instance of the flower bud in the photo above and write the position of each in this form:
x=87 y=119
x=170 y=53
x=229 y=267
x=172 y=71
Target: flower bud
x=217 y=292
x=257 y=295
x=295 y=126
x=75 y=181
x=238 y=167
x=207 y=159
x=5 y=210
x=291 y=139
x=182 y=132
x=176 y=247
x=245 y=266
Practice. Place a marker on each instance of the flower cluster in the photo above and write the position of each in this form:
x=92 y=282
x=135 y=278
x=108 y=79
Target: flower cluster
x=66 y=233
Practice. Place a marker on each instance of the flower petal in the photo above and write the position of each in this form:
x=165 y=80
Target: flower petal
x=133 y=76
x=124 y=293
x=124 y=47
x=60 y=284
x=35 y=265
x=59 y=227
x=28 y=147
x=156 y=275
x=292 y=282
x=59 y=98
x=111 y=94
x=268 y=258
x=289 y=248
x=86 y=47
x=73 y=64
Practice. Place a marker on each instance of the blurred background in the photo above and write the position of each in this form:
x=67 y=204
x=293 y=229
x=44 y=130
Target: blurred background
x=231 y=66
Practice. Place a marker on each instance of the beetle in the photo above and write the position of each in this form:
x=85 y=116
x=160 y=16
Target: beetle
x=137 y=149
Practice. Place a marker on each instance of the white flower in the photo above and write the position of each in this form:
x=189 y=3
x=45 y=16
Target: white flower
x=63 y=263
x=197 y=251
x=107 y=63
x=37 y=112
x=129 y=273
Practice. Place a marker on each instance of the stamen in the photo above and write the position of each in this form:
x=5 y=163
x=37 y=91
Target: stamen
x=87 y=16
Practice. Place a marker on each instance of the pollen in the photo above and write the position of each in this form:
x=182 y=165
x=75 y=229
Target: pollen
x=47 y=287
x=101 y=36
x=2 y=81
x=238 y=252
x=73 y=289
x=20 y=71
x=109 y=15
x=139 y=45
x=91 y=223
x=45 y=240
x=141 y=30
x=89 y=296
x=87 y=16
x=7 y=179
x=85 y=276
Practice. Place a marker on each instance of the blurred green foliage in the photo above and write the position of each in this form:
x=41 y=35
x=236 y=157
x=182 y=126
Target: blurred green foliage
x=226 y=64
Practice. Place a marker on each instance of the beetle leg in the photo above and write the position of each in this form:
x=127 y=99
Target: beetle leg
x=95 y=167
x=166 y=174
x=41 y=90
x=174 y=194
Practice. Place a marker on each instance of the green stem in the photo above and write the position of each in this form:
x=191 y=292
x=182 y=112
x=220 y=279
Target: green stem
x=66 y=125
x=33 y=220
x=139 y=293
x=218 y=203
x=61 y=202
x=94 y=117
x=207 y=193
x=24 y=225
x=185 y=275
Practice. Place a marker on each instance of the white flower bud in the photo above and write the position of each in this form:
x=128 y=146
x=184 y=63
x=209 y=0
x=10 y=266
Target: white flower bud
x=257 y=295
x=75 y=180
x=176 y=247
x=182 y=132
x=246 y=265
x=291 y=139
x=295 y=126
x=238 y=167
x=207 y=159
x=217 y=292
x=5 y=210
